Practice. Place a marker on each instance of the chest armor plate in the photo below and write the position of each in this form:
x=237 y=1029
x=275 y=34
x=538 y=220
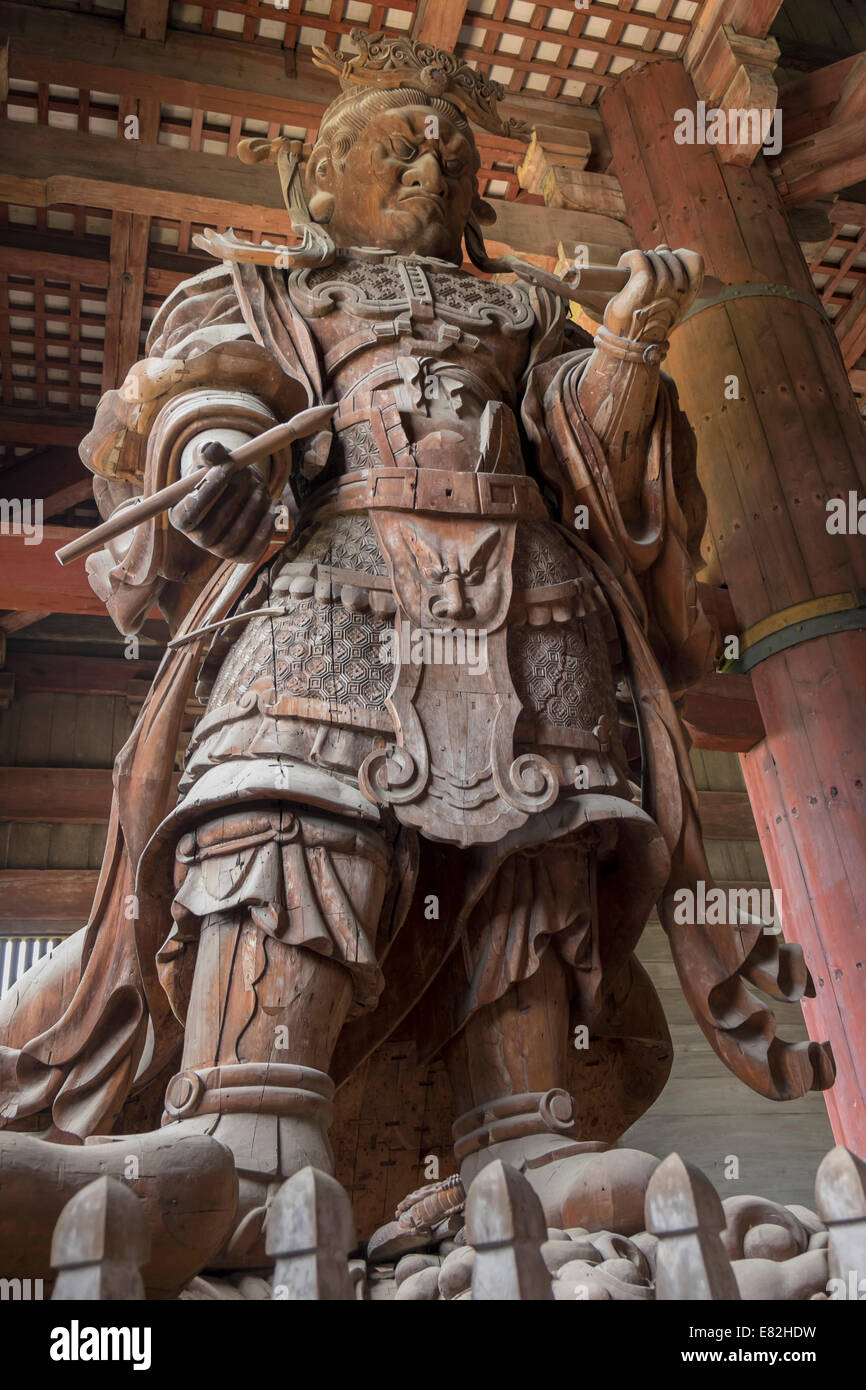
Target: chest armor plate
x=379 y=286
x=423 y=360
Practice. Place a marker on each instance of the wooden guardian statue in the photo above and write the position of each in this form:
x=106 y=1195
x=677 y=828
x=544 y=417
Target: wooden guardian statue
x=457 y=678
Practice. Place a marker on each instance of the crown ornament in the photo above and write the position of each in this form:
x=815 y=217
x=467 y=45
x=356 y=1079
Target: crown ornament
x=385 y=63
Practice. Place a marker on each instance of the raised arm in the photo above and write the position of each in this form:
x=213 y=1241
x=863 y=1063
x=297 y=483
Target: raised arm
x=619 y=385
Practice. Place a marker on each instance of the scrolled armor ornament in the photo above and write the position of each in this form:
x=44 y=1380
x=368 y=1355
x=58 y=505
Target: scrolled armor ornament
x=543 y=794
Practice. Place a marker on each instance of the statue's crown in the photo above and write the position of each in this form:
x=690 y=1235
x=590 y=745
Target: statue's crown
x=402 y=62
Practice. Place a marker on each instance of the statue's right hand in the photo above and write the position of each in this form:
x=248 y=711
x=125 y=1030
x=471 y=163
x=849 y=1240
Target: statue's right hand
x=228 y=513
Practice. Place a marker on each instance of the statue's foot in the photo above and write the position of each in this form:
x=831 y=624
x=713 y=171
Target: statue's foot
x=266 y=1149
x=273 y=1118
x=579 y=1184
x=185 y=1179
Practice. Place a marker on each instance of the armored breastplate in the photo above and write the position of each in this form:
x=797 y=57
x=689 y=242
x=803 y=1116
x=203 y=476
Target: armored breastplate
x=423 y=360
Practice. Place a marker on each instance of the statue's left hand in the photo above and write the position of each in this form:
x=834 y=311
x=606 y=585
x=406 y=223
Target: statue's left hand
x=661 y=288
x=229 y=512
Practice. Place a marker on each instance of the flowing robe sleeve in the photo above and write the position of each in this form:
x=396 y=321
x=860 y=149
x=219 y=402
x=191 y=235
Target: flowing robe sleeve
x=204 y=369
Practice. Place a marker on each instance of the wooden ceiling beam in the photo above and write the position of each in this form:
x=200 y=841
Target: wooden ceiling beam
x=82 y=796
x=826 y=162
x=21 y=425
x=86 y=259
x=31 y=578
x=721 y=714
x=42 y=474
x=44 y=167
x=822 y=97
x=76 y=675
x=68 y=795
x=46 y=898
x=57 y=477
x=9 y=623
x=852 y=93
x=54 y=265
x=850 y=326
x=751 y=18
x=822 y=126
x=41 y=167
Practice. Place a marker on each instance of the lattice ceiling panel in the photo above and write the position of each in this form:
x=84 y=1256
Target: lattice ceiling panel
x=52 y=330
x=567 y=51
x=839 y=276
x=839 y=273
x=301 y=24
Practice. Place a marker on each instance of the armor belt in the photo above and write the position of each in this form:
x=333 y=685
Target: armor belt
x=510 y=495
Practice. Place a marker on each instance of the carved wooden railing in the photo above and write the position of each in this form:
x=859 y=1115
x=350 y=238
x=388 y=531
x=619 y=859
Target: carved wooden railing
x=695 y=1246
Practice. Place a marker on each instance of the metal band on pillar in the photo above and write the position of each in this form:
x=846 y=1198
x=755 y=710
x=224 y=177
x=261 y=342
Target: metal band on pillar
x=800 y=623
x=756 y=290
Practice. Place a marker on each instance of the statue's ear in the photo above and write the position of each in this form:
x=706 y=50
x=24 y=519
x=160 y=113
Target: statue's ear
x=321 y=205
x=319 y=180
x=483 y=211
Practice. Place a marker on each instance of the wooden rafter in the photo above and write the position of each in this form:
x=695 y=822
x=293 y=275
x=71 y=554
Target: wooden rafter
x=146 y=19
x=439 y=22
x=125 y=297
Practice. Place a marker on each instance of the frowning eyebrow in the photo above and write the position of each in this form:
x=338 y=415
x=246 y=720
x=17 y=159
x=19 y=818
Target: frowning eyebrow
x=407 y=126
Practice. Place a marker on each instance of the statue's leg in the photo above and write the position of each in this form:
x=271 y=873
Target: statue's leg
x=263 y=1020
x=509 y=1076
x=517 y=1044
x=276 y=970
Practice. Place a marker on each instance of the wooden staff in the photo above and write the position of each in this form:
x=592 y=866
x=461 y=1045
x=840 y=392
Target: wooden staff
x=128 y=516
x=610 y=279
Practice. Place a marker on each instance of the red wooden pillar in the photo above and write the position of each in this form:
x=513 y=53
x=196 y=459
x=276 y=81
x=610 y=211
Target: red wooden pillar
x=769 y=461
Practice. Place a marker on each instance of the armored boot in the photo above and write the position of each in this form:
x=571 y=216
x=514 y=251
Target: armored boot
x=507 y=1067
x=579 y=1183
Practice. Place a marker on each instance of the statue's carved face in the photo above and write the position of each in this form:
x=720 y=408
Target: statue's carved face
x=407 y=185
